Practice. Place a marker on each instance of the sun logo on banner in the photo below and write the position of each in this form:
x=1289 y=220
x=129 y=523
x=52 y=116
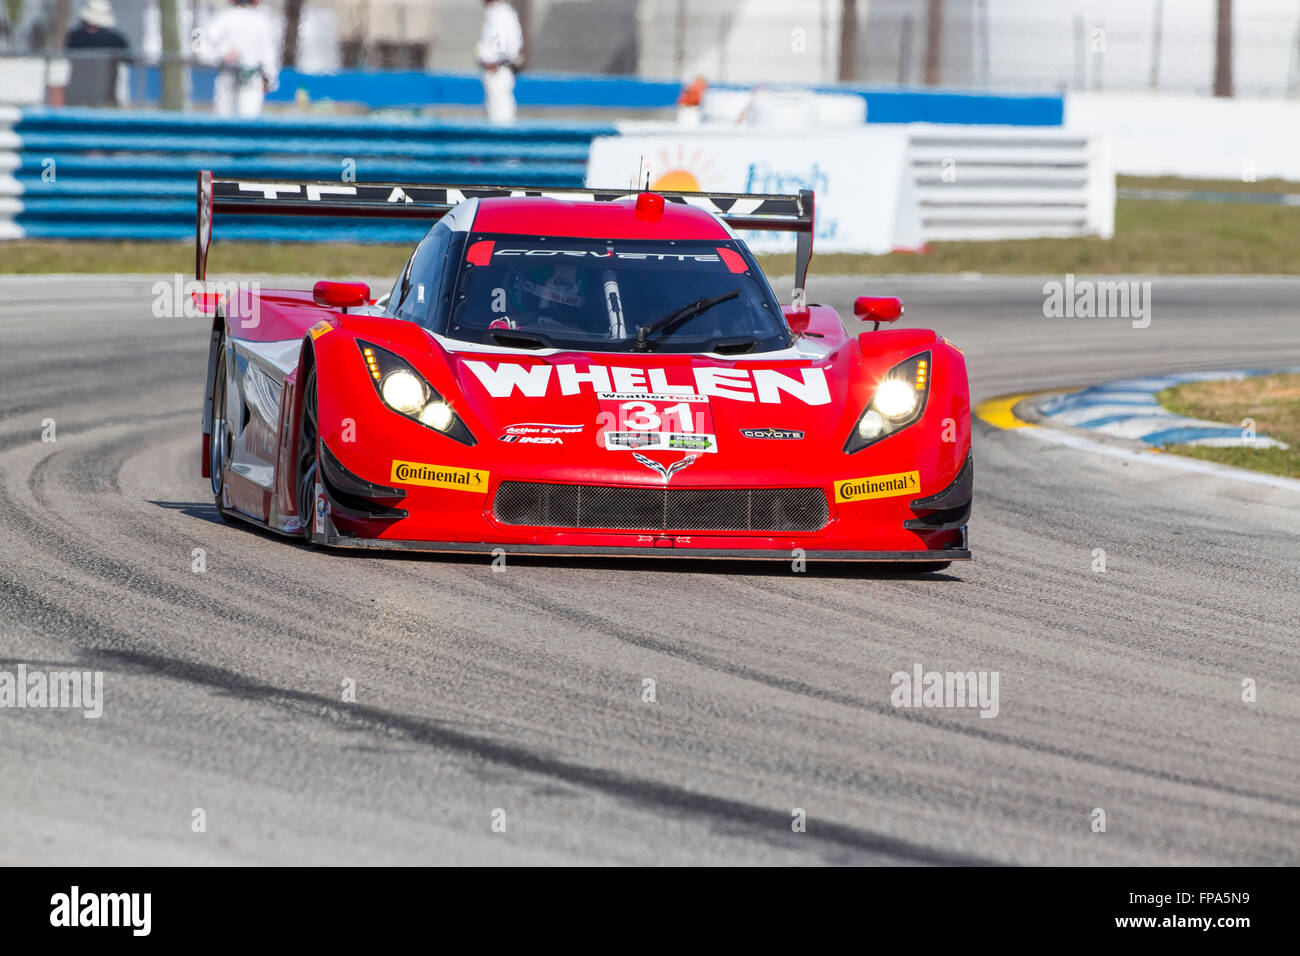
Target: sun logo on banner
x=681 y=170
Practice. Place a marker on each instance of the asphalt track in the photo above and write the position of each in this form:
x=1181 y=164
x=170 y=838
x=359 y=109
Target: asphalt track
x=522 y=691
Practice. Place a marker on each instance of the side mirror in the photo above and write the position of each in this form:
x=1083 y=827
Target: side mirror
x=878 y=308
x=340 y=295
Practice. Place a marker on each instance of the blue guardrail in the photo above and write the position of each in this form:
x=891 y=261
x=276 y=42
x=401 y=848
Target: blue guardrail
x=130 y=175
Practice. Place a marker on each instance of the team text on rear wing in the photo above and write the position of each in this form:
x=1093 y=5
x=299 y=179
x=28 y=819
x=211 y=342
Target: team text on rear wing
x=780 y=213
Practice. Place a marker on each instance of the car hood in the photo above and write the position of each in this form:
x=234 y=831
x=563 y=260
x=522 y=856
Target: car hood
x=585 y=412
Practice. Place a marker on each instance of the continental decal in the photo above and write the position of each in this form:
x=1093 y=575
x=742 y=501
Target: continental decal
x=319 y=329
x=440 y=476
x=878 y=486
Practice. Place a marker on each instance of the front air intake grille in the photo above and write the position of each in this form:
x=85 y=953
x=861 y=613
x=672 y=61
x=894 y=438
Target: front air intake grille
x=544 y=505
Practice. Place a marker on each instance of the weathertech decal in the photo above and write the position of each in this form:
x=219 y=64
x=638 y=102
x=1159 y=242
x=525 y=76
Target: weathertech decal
x=773 y=434
x=655 y=421
x=767 y=386
x=440 y=476
x=319 y=329
x=878 y=486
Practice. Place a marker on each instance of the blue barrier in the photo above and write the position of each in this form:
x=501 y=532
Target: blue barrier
x=415 y=89
x=411 y=88
x=942 y=106
x=130 y=175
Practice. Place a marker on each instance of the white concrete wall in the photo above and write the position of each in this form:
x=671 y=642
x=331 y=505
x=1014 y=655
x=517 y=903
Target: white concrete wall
x=1198 y=137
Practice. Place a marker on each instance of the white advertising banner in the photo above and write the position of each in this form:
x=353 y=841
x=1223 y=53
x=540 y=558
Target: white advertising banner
x=865 y=199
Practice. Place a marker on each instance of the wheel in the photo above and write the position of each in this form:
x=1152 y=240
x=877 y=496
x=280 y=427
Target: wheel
x=219 y=432
x=308 y=455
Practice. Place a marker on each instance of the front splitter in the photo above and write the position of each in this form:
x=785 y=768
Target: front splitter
x=581 y=551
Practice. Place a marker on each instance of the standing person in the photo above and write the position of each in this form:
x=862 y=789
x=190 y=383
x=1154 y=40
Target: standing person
x=241 y=40
x=499 y=47
x=93 y=79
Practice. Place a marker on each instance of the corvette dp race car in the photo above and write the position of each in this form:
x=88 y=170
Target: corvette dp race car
x=581 y=373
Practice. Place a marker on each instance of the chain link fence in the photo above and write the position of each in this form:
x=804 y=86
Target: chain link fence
x=1042 y=45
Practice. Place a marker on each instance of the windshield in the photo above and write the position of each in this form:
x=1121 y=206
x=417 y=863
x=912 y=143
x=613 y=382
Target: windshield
x=613 y=296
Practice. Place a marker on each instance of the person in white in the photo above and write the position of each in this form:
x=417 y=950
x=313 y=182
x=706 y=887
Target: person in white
x=499 y=46
x=242 y=40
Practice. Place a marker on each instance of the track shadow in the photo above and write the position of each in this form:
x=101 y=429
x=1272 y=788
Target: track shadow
x=206 y=511
x=754 y=821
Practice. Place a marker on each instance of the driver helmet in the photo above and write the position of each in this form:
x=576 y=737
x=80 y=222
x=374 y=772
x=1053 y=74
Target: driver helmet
x=560 y=290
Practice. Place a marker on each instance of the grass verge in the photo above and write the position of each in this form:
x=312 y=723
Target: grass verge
x=1271 y=401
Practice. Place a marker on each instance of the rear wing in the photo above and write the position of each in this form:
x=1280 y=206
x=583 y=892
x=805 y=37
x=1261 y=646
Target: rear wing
x=255 y=197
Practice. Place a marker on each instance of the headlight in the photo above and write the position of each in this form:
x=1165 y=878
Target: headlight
x=403 y=391
x=870 y=425
x=895 y=399
x=437 y=415
x=406 y=392
x=899 y=401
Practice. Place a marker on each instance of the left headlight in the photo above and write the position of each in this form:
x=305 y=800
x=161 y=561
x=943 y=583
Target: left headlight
x=899 y=401
x=406 y=392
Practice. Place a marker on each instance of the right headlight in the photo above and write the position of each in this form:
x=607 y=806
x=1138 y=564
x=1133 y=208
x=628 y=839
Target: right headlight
x=403 y=391
x=899 y=400
x=406 y=392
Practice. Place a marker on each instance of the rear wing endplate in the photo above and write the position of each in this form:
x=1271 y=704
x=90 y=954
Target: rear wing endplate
x=256 y=197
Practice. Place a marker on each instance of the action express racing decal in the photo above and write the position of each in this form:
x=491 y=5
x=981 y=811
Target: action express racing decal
x=537 y=433
x=540 y=428
x=878 y=486
x=440 y=476
x=655 y=422
x=768 y=386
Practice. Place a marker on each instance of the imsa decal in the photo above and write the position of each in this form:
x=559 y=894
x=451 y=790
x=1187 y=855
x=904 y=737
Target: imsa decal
x=440 y=476
x=878 y=486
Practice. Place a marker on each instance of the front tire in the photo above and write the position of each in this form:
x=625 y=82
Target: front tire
x=219 y=440
x=308 y=455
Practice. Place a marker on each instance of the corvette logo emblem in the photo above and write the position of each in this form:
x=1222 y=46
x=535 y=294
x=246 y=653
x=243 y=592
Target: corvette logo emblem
x=667 y=471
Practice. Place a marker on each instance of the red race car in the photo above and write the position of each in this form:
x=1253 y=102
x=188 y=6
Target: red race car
x=579 y=373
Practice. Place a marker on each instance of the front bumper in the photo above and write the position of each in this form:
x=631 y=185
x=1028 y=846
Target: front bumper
x=892 y=530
